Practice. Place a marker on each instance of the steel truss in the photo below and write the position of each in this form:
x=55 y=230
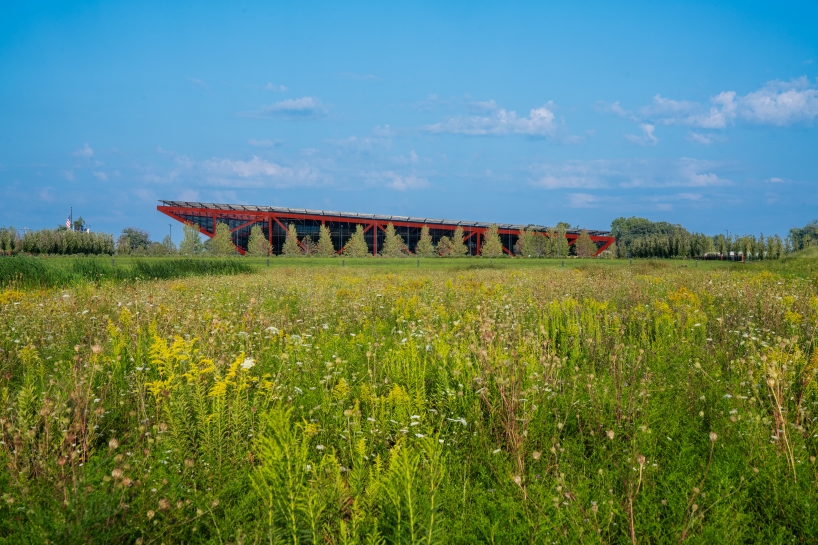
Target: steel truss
x=274 y=221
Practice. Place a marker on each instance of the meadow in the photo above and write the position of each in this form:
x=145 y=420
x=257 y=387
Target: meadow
x=462 y=401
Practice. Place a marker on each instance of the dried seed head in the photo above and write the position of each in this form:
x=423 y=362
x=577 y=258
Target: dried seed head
x=189 y=462
x=180 y=504
x=641 y=460
x=96 y=349
x=164 y=504
x=61 y=461
x=713 y=436
x=694 y=507
x=518 y=480
x=113 y=444
x=163 y=427
x=610 y=434
x=127 y=481
x=536 y=455
x=214 y=503
x=812 y=459
x=771 y=382
x=594 y=508
x=151 y=514
x=696 y=490
x=116 y=473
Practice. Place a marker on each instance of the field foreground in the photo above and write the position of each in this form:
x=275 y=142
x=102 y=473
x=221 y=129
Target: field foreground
x=357 y=405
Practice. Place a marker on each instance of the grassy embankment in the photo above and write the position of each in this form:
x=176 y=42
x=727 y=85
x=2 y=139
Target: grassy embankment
x=457 y=403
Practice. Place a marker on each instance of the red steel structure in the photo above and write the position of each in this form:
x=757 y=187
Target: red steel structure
x=274 y=220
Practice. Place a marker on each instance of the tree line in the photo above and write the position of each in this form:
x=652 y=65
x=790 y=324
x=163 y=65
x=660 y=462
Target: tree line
x=642 y=238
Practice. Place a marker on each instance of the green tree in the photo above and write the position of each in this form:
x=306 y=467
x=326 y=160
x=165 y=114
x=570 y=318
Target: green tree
x=79 y=224
x=222 y=243
x=168 y=245
x=444 y=247
x=192 y=241
x=459 y=248
x=425 y=248
x=393 y=245
x=492 y=247
x=560 y=242
x=310 y=247
x=585 y=247
x=132 y=240
x=325 y=247
x=291 y=247
x=356 y=244
x=257 y=244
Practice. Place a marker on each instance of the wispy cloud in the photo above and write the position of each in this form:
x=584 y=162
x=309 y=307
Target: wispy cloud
x=86 y=152
x=297 y=108
x=396 y=180
x=265 y=143
x=98 y=174
x=198 y=83
x=628 y=174
x=275 y=88
x=259 y=172
x=540 y=122
x=778 y=103
x=646 y=139
x=775 y=180
x=359 y=77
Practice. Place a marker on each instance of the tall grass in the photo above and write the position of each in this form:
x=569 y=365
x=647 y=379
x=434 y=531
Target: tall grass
x=649 y=404
x=22 y=271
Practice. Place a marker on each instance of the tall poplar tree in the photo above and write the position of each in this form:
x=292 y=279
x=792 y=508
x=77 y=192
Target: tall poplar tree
x=585 y=247
x=325 y=247
x=492 y=247
x=425 y=248
x=444 y=247
x=257 y=244
x=192 y=242
x=459 y=248
x=356 y=244
x=222 y=243
x=393 y=245
x=291 y=247
x=560 y=242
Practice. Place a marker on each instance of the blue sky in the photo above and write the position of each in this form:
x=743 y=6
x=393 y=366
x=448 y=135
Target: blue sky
x=693 y=113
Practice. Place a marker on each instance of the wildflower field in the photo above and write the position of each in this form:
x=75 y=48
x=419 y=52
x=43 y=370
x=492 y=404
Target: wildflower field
x=644 y=403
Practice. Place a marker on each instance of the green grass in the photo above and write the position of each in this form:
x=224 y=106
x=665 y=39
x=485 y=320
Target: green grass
x=467 y=401
x=23 y=271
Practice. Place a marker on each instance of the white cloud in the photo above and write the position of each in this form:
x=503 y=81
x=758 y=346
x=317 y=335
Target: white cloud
x=190 y=195
x=359 y=77
x=699 y=138
x=775 y=180
x=540 y=122
x=198 y=83
x=647 y=138
x=293 y=108
x=101 y=175
x=47 y=194
x=583 y=200
x=572 y=175
x=86 y=152
x=628 y=174
x=69 y=175
x=482 y=107
x=612 y=107
x=781 y=103
x=259 y=172
x=265 y=143
x=777 y=103
x=276 y=88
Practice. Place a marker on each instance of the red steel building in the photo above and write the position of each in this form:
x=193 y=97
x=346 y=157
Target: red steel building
x=274 y=221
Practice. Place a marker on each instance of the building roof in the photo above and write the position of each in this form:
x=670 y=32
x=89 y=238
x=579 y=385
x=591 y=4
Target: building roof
x=355 y=215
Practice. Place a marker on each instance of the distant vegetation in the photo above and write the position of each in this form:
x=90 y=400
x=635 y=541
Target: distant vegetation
x=640 y=237
x=23 y=271
x=635 y=237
